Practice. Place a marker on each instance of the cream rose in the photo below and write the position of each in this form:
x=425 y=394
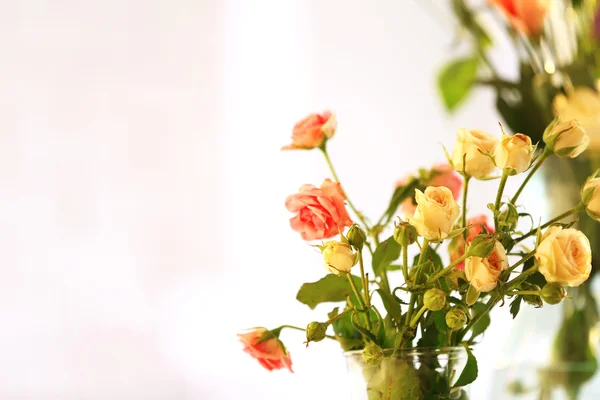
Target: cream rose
x=338 y=257
x=436 y=213
x=513 y=153
x=583 y=105
x=483 y=273
x=591 y=198
x=564 y=256
x=477 y=149
x=567 y=139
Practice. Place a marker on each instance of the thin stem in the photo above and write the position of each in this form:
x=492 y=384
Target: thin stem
x=449 y=268
x=337 y=179
x=510 y=285
x=525 y=292
x=360 y=300
x=300 y=329
x=405 y=263
x=415 y=320
x=499 y=198
x=488 y=306
x=521 y=261
x=464 y=207
x=547 y=152
x=364 y=279
x=577 y=209
x=424 y=248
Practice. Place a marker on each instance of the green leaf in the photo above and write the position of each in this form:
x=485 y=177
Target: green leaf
x=399 y=195
x=391 y=306
x=456 y=80
x=469 y=373
x=385 y=254
x=484 y=322
x=331 y=288
x=515 y=306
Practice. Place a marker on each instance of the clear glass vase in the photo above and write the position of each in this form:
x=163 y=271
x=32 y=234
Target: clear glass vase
x=410 y=374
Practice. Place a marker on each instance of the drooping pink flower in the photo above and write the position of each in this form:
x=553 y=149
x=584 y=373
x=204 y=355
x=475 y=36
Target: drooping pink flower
x=477 y=225
x=320 y=212
x=270 y=352
x=312 y=131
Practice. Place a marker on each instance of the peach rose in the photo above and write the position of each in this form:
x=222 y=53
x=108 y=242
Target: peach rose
x=473 y=152
x=320 y=212
x=483 y=273
x=312 y=131
x=441 y=175
x=270 y=353
x=526 y=16
x=477 y=225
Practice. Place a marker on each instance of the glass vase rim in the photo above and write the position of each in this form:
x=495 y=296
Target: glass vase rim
x=414 y=351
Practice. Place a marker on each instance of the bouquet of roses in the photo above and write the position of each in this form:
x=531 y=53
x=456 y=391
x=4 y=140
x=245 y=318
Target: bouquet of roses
x=442 y=303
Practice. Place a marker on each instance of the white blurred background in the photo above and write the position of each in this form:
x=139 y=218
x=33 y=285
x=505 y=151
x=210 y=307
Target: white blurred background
x=142 y=186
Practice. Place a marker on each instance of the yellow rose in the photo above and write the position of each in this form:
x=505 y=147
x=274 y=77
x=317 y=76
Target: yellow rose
x=567 y=139
x=564 y=256
x=513 y=153
x=477 y=149
x=582 y=104
x=591 y=198
x=435 y=214
x=338 y=257
x=483 y=273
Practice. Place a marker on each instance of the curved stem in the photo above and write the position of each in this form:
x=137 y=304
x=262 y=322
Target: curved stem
x=547 y=152
x=359 y=299
x=415 y=320
x=337 y=179
x=577 y=209
x=499 y=198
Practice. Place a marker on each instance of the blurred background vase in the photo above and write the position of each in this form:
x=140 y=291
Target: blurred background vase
x=552 y=353
x=410 y=374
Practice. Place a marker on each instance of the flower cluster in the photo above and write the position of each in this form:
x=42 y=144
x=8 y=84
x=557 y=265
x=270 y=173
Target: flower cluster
x=488 y=259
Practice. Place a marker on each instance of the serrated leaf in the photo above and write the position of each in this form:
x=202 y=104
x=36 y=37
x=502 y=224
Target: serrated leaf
x=515 y=306
x=387 y=252
x=331 y=288
x=469 y=373
x=456 y=80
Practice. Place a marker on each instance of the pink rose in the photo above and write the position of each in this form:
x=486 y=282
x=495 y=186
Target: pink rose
x=270 y=353
x=442 y=175
x=526 y=16
x=320 y=212
x=478 y=224
x=312 y=131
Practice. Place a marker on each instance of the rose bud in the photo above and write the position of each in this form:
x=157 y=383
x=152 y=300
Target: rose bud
x=434 y=299
x=591 y=198
x=356 y=236
x=338 y=257
x=581 y=104
x=564 y=256
x=315 y=332
x=553 y=293
x=312 y=131
x=261 y=344
x=476 y=148
x=483 y=273
x=482 y=246
x=514 y=153
x=405 y=234
x=532 y=299
x=436 y=213
x=372 y=355
x=320 y=212
x=566 y=139
x=456 y=319
x=476 y=225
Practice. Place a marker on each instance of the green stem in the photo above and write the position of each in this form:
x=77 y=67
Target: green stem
x=337 y=179
x=364 y=279
x=299 y=329
x=525 y=292
x=510 y=285
x=499 y=198
x=424 y=248
x=577 y=209
x=415 y=320
x=464 y=207
x=521 y=261
x=405 y=263
x=488 y=307
x=446 y=270
x=547 y=152
x=360 y=300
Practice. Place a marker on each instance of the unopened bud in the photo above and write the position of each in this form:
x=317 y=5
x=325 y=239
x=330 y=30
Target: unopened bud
x=434 y=299
x=456 y=319
x=482 y=246
x=338 y=257
x=566 y=139
x=509 y=218
x=315 y=332
x=405 y=234
x=553 y=293
x=373 y=355
x=356 y=237
x=532 y=299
